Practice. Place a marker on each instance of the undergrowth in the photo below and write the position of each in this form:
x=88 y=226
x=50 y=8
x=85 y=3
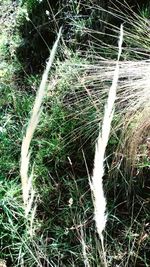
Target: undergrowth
x=63 y=148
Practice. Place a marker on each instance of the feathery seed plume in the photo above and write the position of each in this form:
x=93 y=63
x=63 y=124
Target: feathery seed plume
x=96 y=182
x=25 y=153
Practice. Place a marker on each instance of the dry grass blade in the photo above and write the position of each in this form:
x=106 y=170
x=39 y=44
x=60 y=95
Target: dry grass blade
x=96 y=182
x=25 y=154
x=84 y=248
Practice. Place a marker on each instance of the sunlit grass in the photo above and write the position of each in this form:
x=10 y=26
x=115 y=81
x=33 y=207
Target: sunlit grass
x=63 y=231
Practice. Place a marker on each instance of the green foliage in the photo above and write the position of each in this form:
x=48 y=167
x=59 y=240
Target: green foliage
x=66 y=133
x=145 y=11
x=30 y=3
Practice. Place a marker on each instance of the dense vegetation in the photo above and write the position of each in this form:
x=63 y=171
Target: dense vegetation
x=64 y=141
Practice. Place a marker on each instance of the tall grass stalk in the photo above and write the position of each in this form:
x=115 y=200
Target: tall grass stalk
x=96 y=181
x=84 y=248
x=26 y=180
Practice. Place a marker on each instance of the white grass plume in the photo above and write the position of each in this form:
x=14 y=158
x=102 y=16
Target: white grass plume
x=96 y=182
x=25 y=154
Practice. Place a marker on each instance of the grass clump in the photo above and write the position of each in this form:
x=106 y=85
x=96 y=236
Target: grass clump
x=63 y=231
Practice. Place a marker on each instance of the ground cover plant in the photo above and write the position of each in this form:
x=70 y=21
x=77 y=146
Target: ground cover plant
x=61 y=230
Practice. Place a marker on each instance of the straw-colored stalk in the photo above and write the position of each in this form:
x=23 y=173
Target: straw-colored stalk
x=84 y=248
x=26 y=180
x=96 y=181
